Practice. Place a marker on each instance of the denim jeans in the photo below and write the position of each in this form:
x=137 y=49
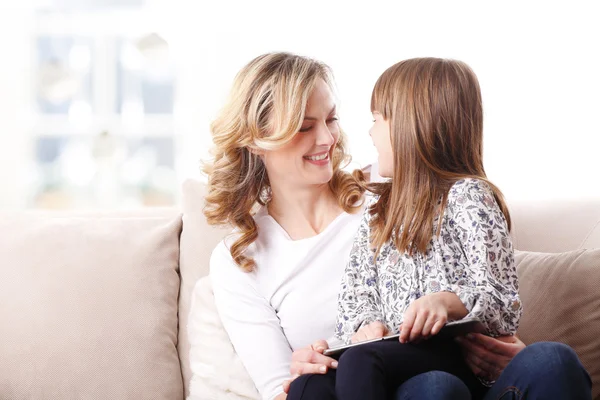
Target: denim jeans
x=542 y=370
x=432 y=385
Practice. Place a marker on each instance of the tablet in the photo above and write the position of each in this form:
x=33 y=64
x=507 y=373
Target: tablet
x=451 y=329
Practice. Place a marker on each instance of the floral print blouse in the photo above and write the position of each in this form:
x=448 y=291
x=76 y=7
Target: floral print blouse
x=472 y=257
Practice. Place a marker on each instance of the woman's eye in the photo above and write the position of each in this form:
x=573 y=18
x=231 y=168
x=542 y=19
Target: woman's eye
x=305 y=129
x=331 y=120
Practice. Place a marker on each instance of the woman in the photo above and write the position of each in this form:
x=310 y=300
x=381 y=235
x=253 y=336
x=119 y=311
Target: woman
x=277 y=179
x=279 y=147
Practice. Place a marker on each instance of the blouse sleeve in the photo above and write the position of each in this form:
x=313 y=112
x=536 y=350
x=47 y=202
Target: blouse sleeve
x=478 y=257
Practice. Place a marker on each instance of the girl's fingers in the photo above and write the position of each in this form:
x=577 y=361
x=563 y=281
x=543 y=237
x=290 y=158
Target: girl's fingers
x=407 y=324
x=417 y=328
x=428 y=327
x=437 y=327
x=357 y=337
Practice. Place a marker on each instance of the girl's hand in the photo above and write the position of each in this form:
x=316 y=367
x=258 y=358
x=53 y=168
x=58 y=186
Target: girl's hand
x=309 y=360
x=425 y=317
x=374 y=330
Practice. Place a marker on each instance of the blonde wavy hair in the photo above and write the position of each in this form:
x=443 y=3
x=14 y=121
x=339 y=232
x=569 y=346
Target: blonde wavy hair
x=265 y=110
x=435 y=112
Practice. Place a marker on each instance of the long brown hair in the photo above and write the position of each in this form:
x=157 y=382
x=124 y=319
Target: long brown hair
x=436 y=125
x=264 y=111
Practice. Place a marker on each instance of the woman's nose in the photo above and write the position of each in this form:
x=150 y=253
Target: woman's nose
x=325 y=136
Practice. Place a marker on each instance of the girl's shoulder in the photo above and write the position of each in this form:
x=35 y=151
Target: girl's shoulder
x=469 y=186
x=470 y=193
x=369 y=201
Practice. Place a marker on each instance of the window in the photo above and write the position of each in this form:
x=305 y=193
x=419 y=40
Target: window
x=105 y=93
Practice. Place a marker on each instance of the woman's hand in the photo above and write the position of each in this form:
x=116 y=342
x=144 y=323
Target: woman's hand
x=374 y=330
x=310 y=360
x=427 y=315
x=487 y=356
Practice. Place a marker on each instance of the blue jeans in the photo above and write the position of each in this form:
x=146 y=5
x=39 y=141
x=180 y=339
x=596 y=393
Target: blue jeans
x=542 y=370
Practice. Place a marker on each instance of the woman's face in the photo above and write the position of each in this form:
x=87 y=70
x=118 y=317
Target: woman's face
x=380 y=133
x=306 y=160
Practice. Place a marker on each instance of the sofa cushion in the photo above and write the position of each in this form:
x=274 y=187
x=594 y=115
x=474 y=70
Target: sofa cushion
x=198 y=239
x=561 y=302
x=217 y=370
x=88 y=305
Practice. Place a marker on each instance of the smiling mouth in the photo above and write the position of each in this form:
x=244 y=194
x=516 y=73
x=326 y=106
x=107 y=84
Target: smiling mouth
x=320 y=157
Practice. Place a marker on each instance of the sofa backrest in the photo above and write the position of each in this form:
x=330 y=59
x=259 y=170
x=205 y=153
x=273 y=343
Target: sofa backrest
x=198 y=239
x=556 y=226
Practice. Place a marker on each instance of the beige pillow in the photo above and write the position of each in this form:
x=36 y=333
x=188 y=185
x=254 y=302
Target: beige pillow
x=561 y=301
x=198 y=239
x=218 y=372
x=88 y=307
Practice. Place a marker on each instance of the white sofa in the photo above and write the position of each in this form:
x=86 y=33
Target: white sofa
x=95 y=305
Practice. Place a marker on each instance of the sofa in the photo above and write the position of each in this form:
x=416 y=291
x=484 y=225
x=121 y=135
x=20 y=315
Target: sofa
x=95 y=305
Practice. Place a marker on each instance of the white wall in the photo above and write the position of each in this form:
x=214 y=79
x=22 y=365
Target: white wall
x=15 y=90
x=537 y=62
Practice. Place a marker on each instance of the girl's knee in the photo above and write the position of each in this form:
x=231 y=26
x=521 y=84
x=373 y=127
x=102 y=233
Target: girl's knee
x=312 y=387
x=357 y=356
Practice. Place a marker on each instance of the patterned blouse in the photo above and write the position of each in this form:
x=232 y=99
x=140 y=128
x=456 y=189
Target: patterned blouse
x=472 y=257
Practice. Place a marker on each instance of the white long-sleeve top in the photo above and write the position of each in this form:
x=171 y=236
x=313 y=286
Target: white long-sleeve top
x=288 y=302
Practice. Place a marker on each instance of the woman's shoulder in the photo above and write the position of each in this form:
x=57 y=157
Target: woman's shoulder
x=222 y=264
x=220 y=258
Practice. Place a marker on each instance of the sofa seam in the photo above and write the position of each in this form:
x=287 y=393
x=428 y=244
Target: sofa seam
x=589 y=234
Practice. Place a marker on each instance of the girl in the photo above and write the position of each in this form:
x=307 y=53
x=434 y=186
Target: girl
x=434 y=241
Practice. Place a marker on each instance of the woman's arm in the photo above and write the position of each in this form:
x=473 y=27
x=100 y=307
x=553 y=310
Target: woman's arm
x=359 y=300
x=479 y=258
x=251 y=323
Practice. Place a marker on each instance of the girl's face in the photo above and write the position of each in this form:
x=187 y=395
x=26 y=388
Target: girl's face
x=380 y=133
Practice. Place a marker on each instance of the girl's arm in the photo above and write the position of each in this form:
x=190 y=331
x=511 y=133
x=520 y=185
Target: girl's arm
x=359 y=300
x=479 y=257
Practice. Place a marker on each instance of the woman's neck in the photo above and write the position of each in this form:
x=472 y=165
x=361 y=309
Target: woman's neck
x=303 y=212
